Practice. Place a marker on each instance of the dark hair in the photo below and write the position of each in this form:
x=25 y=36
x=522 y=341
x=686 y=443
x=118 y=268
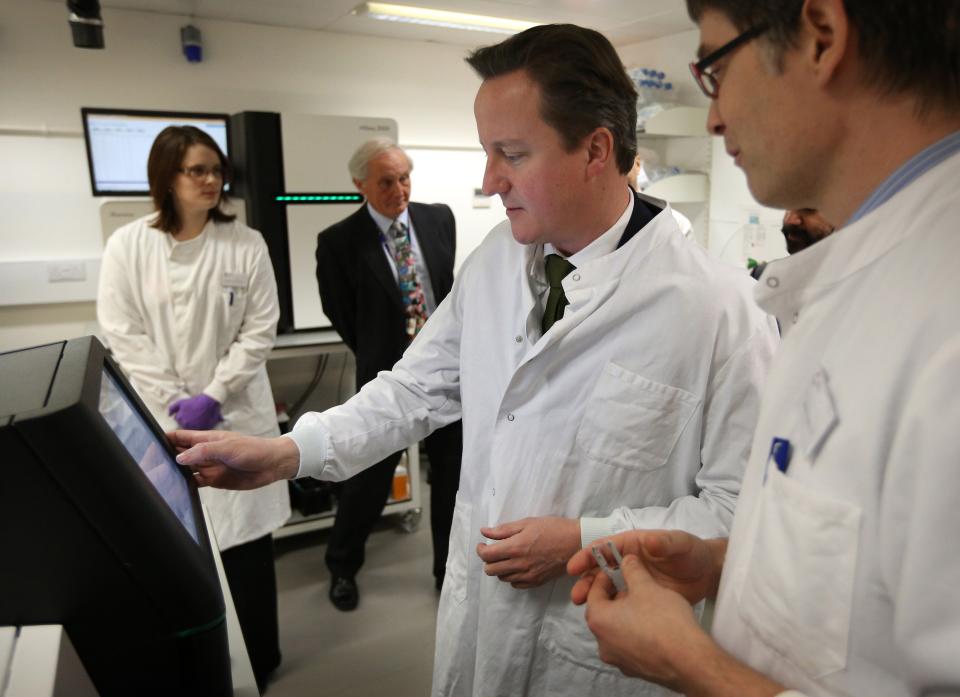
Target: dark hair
x=582 y=82
x=163 y=166
x=907 y=46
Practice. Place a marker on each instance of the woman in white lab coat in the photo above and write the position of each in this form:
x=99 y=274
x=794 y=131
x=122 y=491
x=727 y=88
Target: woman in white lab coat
x=188 y=306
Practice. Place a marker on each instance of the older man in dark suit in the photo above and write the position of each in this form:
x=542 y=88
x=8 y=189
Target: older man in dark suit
x=382 y=271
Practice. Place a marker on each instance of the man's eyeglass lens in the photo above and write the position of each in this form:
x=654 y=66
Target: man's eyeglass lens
x=700 y=69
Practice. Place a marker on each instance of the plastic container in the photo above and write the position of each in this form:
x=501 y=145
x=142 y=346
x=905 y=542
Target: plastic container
x=753 y=238
x=654 y=94
x=401 y=481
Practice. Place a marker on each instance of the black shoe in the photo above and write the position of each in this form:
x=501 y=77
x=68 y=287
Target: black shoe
x=343 y=593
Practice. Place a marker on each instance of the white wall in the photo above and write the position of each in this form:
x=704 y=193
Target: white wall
x=731 y=205
x=48 y=211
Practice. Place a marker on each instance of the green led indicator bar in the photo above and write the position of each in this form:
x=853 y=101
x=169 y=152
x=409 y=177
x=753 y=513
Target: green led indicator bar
x=287 y=199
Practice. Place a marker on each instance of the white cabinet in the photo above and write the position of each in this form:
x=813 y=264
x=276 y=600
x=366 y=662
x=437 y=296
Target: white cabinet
x=679 y=137
x=686 y=187
x=677 y=121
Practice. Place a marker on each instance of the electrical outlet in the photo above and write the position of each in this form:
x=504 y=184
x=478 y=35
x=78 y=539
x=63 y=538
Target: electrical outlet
x=66 y=270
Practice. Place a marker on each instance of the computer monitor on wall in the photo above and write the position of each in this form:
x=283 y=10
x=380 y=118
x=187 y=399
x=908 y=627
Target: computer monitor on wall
x=101 y=531
x=118 y=142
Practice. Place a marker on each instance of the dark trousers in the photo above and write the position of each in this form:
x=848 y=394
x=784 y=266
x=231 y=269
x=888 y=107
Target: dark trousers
x=362 y=498
x=253 y=585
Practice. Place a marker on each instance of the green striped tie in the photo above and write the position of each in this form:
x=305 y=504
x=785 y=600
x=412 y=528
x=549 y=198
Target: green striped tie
x=557 y=270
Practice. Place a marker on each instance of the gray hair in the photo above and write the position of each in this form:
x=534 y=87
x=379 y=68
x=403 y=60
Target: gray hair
x=360 y=162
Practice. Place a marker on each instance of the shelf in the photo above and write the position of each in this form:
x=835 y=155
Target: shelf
x=678 y=121
x=691 y=187
x=299 y=523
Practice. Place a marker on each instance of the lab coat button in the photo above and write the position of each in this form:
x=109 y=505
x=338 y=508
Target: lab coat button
x=519 y=339
x=576 y=277
x=493 y=492
x=796 y=316
x=773 y=281
x=510 y=417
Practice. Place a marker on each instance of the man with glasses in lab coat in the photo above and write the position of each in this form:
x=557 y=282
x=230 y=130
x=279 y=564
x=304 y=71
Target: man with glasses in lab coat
x=842 y=574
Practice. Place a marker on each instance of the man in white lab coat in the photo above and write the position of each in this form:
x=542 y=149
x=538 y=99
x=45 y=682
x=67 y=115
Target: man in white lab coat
x=842 y=572
x=621 y=396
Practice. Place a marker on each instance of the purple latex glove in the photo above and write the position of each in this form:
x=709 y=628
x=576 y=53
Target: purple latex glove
x=200 y=413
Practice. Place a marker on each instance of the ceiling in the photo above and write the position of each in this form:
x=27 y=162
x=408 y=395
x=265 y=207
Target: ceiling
x=621 y=21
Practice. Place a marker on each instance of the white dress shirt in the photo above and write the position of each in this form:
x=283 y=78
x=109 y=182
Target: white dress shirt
x=423 y=273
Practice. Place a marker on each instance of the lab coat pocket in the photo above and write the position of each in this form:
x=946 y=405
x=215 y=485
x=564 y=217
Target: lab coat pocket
x=633 y=422
x=798 y=589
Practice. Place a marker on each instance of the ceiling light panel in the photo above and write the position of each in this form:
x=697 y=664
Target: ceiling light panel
x=441 y=18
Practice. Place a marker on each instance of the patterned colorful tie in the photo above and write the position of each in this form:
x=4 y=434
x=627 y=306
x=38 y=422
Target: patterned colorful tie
x=411 y=291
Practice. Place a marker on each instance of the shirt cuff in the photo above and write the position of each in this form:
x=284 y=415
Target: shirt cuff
x=592 y=529
x=312 y=439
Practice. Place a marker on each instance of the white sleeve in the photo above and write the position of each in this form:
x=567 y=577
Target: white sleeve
x=919 y=517
x=257 y=334
x=731 y=409
x=399 y=407
x=125 y=331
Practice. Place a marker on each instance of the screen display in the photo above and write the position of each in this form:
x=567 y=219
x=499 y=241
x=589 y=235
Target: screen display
x=146 y=450
x=118 y=145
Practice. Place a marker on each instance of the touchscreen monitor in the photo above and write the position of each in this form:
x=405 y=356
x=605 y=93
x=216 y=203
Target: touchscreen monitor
x=151 y=455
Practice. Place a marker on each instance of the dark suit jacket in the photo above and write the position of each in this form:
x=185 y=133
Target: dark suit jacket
x=357 y=288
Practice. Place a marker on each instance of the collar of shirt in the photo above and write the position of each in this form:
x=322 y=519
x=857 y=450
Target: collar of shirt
x=926 y=159
x=384 y=223
x=789 y=284
x=603 y=245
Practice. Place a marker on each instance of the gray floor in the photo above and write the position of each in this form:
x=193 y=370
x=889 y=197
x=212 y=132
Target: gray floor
x=385 y=646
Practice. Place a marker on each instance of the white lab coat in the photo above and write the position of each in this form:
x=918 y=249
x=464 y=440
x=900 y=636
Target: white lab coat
x=183 y=318
x=842 y=576
x=654 y=369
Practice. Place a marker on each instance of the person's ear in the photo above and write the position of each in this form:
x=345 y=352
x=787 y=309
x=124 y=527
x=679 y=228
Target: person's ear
x=825 y=33
x=600 y=151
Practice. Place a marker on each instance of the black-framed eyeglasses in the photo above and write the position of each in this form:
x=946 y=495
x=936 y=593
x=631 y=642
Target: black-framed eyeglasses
x=701 y=69
x=201 y=172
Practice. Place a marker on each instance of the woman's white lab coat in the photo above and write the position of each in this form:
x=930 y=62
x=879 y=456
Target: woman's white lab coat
x=639 y=402
x=183 y=318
